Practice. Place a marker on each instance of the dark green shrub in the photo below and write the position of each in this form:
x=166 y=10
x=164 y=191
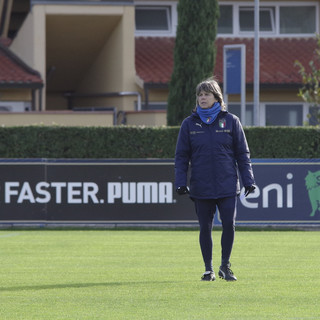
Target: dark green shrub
x=144 y=142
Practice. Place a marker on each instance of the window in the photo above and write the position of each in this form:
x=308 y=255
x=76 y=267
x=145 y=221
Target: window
x=314 y=113
x=153 y=18
x=297 y=19
x=156 y=18
x=283 y=115
x=225 y=23
x=236 y=110
x=277 y=18
x=246 y=19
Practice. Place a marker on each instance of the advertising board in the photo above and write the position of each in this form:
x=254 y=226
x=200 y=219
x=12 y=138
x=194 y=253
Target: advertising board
x=75 y=190
x=288 y=192
x=137 y=191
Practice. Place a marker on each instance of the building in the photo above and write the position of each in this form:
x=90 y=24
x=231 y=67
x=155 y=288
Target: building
x=109 y=62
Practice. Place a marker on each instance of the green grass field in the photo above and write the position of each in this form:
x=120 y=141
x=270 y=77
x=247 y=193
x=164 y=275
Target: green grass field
x=142 y=274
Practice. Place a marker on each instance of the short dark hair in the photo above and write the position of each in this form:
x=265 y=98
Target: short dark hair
x=211 y=85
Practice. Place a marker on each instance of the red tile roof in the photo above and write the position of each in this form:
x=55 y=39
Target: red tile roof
x=154 y=59
x=14 y=72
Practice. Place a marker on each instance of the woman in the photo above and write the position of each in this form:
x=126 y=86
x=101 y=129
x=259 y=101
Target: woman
x=213 y=142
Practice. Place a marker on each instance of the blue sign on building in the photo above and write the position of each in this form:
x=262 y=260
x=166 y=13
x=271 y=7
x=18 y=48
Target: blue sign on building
x=233 y=70
x=234 y=75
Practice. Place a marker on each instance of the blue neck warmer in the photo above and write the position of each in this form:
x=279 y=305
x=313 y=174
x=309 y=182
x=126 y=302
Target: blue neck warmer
x=210 y=114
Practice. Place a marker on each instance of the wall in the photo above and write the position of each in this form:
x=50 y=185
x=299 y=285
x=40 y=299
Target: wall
x=65 y=118
x=147 y=118
x=111 y=70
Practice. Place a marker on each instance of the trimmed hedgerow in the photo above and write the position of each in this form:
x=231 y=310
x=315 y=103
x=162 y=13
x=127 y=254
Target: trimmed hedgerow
x=144 y=142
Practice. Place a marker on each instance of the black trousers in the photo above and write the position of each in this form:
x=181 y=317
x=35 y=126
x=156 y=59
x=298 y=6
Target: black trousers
x=205 y=209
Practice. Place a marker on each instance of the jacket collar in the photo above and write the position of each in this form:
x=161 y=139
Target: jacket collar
x=196 y=116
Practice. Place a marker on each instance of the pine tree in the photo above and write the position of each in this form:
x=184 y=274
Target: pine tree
x=194 y=55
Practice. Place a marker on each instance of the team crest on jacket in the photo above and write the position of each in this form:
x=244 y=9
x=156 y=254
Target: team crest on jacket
x=222 y=123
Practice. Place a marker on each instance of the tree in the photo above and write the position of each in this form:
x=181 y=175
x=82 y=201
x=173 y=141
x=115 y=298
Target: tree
x=194 y=55
x=310 y=91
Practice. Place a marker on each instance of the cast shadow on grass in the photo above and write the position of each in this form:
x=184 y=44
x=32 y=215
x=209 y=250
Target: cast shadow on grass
x=75 y=285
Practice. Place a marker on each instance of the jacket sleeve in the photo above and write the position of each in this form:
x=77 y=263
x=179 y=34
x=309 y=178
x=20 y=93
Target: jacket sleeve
x=182 y=156
x=242 y=154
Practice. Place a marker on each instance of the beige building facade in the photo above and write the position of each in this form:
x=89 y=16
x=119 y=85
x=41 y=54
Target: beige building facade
x=102 y=59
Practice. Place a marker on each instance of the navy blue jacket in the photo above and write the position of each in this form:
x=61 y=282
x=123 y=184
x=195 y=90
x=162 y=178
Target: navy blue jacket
x=216 y=153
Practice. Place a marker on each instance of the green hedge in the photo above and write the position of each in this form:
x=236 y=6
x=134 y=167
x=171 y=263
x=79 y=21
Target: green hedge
x=284 y=142
x=144 y=142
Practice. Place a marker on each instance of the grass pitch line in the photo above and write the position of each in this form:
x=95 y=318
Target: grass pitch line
x=9 y=235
